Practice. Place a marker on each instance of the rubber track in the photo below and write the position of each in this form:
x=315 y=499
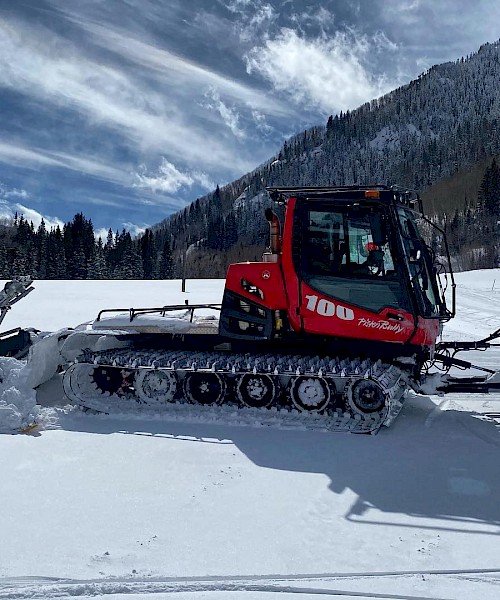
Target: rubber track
x=340 y=376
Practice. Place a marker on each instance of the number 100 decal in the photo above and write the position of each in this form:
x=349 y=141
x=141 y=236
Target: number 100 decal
x=326 y=308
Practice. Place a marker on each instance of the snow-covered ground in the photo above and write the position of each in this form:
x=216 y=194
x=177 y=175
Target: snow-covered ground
x=130 y=506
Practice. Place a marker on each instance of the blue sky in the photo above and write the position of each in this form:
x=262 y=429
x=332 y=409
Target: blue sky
x=127 y=110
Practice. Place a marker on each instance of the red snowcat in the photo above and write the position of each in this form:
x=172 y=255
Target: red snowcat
x=340 y=319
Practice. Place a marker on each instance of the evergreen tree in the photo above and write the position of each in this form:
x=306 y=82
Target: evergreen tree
x=148 y=253
x=79 y=245
x=128 y=258
x=4 y=263
x=69 y=250
x=109 y=241
x=79 y=263
x=230 y=231
x=97 y=265
x=42 y=240
x=56 y=267
x=23 y=234
x=165 y=262
x=20 y=263
x=489 y=191
x=215 y=233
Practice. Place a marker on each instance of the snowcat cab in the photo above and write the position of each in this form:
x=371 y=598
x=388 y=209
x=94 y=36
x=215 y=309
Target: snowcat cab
x=350 y=265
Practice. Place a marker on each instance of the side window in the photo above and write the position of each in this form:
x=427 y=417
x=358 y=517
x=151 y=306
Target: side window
x=348 y=244
x=324 y=233
x=360 y=240
x=368 y=245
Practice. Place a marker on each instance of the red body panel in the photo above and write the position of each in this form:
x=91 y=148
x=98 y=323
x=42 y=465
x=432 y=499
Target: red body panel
x=267 y=277
x=323 y=315
x=310 y=311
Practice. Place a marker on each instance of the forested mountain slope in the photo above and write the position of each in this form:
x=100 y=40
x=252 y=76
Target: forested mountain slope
x=444 y=122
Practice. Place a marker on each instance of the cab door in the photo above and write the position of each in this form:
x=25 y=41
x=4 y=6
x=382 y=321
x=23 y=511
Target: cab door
x=349 y=285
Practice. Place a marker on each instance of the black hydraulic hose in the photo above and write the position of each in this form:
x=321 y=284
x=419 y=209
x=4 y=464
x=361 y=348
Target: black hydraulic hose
x=450 y=361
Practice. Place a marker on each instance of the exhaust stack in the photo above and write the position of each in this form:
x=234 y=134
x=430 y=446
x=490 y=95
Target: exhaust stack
x=274 y=236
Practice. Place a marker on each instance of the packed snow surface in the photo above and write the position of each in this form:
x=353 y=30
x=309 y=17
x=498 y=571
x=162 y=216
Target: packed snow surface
x=129 y=506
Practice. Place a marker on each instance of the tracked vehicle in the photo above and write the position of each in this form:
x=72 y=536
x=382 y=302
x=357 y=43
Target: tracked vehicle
x=342 y=317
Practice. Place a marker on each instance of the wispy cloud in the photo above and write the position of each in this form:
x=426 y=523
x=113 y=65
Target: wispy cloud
x=30 y=214
x=132 y=228
x=230 y=116
x=318 y=16
x=328 y=72
x=170 y=179
x=433 y=32
x=7 y=193
x=8 y=211
x=109 y=95
x=261 y=122
x=18 y=155
x=101 y=233
x=255 y=17
x=237 y=5
x=135 y=229
x=184 y=73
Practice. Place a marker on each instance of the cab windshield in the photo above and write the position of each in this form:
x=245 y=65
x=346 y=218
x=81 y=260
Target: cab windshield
x=420 y=265
x=346 y=254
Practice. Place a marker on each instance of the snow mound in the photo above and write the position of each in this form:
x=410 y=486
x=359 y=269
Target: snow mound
x=18 y=408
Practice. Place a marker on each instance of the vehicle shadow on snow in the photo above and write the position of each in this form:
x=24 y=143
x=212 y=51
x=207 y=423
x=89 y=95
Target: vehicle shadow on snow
x=432 y=463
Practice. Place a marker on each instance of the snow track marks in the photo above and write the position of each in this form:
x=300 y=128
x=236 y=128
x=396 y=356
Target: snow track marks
x=20 y=588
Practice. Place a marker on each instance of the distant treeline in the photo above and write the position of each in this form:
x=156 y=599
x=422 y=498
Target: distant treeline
x=474 y=232
x=73 y=252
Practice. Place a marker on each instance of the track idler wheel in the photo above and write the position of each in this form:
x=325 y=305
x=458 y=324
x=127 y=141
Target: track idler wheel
x=201 y=387
x=156 y=386
x=366 y=396
x=256 y=390
x=311 y=394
